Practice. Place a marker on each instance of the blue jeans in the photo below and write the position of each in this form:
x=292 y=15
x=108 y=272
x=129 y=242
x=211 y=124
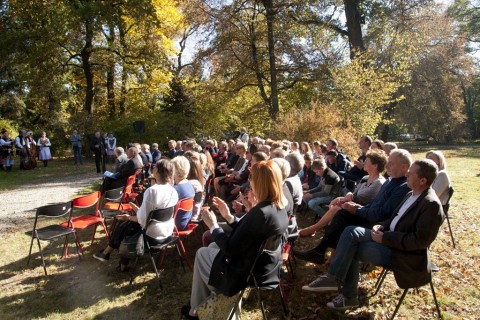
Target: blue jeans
x=77 y=155
x=356 y=245
x=315 y=204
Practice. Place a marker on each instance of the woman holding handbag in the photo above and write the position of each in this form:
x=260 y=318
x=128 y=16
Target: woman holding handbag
x=161 y=195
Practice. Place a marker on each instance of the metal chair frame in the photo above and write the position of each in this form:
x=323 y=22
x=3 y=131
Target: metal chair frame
x=266 y=245
x=379 y=283
x=52 y=232
x=160 y=215
x=445 y=211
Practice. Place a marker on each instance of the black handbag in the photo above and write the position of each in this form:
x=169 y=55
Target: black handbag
x=134 y=242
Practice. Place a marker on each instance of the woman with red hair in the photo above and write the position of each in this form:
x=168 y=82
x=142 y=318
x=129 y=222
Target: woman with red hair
x=224 y=265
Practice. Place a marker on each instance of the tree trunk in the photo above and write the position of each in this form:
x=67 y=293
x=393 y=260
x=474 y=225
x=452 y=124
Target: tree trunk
x=274 y=107
x=111 y=72
x=256 y=64
x=353 y=17
x=123 y=86
x=87 y=67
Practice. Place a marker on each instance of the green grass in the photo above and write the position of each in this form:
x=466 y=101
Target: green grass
x=56 y=168
x=89 y=289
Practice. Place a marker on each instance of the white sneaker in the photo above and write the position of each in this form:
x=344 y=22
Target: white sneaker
x=342 y=303
x=325 y=283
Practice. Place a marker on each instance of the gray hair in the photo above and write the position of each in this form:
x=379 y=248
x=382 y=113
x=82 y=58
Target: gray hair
x=181 y=167
x=296 y=162
x=389 y=146
x=119 y=150
x=403 y=155
x=284 y=167
x=278 y=153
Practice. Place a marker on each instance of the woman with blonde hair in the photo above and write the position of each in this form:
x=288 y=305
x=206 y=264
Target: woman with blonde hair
x=442 y=183
x=181 y=168
x=224 y=265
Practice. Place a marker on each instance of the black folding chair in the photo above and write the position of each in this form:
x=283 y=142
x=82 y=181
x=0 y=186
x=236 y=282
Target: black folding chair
x=154 y=246
x=272 y=244
x=111 y=205
x=445 y=210
x=52 y=232
x=379 y=283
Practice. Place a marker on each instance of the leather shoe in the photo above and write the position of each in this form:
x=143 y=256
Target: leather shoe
x=310 y=256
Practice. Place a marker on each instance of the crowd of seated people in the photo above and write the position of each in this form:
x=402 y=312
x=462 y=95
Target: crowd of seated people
x=385 y=179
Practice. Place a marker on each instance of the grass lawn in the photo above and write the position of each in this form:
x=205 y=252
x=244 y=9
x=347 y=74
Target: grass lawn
x=56 y=168
x=90 y=289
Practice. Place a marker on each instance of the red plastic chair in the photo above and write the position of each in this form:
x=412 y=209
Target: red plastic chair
x=128 y=196
x=85 y=221
x=184 y=205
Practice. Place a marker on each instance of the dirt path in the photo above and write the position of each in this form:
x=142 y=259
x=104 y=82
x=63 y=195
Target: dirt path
x=19 y=204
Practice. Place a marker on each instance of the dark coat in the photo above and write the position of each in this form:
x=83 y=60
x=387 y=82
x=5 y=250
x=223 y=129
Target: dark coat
x=237 y=253
x=100 y=150
x=129 y=169
x=413 y=234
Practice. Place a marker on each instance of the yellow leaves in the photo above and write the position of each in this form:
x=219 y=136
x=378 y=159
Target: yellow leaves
x=169 y=15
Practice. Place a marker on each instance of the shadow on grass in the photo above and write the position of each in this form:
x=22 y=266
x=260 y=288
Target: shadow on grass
x=90 y=285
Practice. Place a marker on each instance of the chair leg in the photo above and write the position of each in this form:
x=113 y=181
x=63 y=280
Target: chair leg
x=30 y=252
x=283 y=297
x=132 y=271
x=399 y=304
x=79 y=243
x=435 y=299
x=41 y=255
x=450 y=230
x=65 y=247
x=380 y=280
x=157 y=273
x=93 y=234
x=112 y=226
x=260 y=301
x=77 y=246
x=104 y=226
x=184 y=253
x=180 y=256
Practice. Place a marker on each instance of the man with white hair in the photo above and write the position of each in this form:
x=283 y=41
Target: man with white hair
x=121 y=158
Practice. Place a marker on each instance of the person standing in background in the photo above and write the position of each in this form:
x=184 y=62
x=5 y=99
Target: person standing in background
x=98 y=148
x=111 y=144
x=44 y=145
x=6 y=151
x=20 y=143
x=243 y=135
x=76 y=141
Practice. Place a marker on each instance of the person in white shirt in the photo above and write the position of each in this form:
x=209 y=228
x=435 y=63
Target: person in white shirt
x=159 y=196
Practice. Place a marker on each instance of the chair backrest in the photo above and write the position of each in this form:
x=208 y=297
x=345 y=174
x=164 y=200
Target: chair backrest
x=269 y=245
x=114 y=195
x=129 y=185
x=446 y=207
x=184 y=205
x=55 y=210
x=161 y=215
x=88 y=201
